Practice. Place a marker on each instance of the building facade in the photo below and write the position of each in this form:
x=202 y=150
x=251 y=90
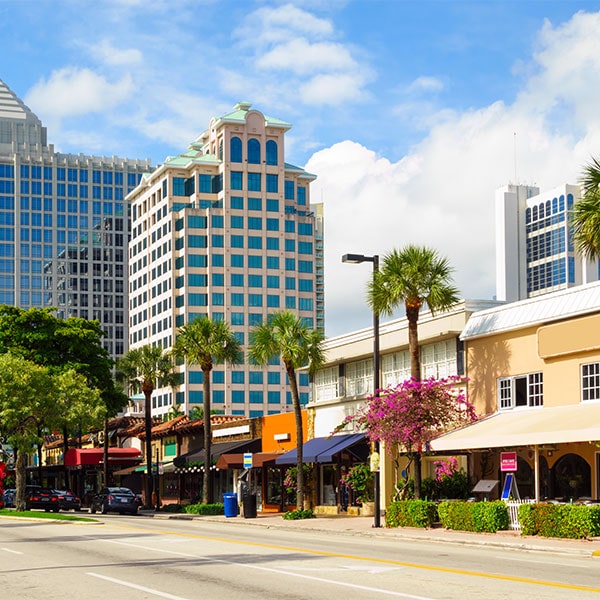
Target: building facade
x=534 y=378
x=346 y=380
x=535 y=253
x=64 y=225
x=226 y=230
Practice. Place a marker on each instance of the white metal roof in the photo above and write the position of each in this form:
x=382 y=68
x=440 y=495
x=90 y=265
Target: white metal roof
x=575 y=301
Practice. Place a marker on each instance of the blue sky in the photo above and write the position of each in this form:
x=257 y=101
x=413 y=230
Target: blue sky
x=411 y=113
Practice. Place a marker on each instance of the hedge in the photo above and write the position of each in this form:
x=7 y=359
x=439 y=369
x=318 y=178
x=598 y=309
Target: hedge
x=218 y=508
x=411 y=513
x=560 y=520
x=474 y=516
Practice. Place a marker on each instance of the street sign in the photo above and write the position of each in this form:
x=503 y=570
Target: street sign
x=508 y=462
x=247 y=460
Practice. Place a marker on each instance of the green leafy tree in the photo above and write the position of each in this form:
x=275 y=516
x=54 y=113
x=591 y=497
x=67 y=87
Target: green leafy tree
x=287 y=336
x=206 y=342
x=413 y=276
x=586 y=212
x=62 y=345
x=31 y=399
x=144 y=369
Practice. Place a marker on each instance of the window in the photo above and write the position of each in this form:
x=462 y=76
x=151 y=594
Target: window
x=255 y=281
x=255 y=261
x=590 y=381
x=359 y=378
x=439 y=360
x=271 y=152
x=235 y=181
x=237 y=376
x=237 y=260
x=235 y=150
x=253 y=182
x=272 y=205
x=255 y=223
x=327 y=384
x=289 y=190
x=272 y=183
x=255 y=377
x=237 y=202
x=395 y=368
x=254 y=203
x=272 y=224
x=519 y=391
x=253 y=151
x=237 y=280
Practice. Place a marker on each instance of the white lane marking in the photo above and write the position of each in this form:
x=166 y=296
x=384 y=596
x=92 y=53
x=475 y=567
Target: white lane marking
x=278 y=571
x=11 y=551
x=136 y=587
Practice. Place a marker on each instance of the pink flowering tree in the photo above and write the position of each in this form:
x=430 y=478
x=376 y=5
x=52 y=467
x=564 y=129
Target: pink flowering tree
x=409 y=416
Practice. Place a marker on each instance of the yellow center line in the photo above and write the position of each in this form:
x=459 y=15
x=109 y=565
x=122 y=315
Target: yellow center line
x=385 y=561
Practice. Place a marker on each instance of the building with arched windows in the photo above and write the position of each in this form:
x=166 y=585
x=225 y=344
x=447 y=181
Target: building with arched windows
x=535 y=253
x=226 y=230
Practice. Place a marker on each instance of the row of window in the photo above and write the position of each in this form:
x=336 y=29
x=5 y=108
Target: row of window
x=74 y=207
x=438 y=360
x=69 y=174
x=550 y=274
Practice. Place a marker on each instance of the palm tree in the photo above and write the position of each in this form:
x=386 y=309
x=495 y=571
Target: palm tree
x=586 y=212
x=287 y=335
x=145 y=369
x=206 y=342
x=414 y=276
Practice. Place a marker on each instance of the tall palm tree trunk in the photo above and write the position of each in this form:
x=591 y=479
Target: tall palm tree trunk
x=207 y=491
x=412 y=315
x=148 y=427
x=291 y=373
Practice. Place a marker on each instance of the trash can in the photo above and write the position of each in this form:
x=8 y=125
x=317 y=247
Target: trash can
x=249 y=501
x=230 y=504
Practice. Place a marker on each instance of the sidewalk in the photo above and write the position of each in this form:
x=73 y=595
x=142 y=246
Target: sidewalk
x=343 y=524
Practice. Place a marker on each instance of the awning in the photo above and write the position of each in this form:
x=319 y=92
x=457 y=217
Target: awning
x=526 y=427
x=236 y=461
x=198 y=457
x=323 y=449
x=95 y=456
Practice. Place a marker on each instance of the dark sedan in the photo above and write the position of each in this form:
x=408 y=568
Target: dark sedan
x=115 y=499
x=68 y=501
x=43 y=498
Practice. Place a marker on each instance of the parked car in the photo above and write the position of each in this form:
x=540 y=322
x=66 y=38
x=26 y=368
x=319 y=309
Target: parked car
x=115 y=499
x=68 y=500
x=9 y=498
x=44 y=498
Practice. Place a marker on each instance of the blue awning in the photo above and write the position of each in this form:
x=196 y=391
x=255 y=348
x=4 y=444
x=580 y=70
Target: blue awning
x=321 y=450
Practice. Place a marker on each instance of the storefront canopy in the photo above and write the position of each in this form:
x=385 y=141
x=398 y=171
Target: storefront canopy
x=198 y=457
x=236 y=460
x=94 y=456
x=526 y=427
x=321 y=450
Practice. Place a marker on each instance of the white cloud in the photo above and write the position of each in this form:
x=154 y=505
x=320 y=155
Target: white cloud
x=71 y=91
x=333 y=89
x=441 y=194
x=106 y=53
x=425 y=84
x=300 y=57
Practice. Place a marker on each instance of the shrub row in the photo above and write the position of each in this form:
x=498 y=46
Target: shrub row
x=294 y=515
x=411 y=513
x=474 y=516
x=218 y=508
x=560 y=520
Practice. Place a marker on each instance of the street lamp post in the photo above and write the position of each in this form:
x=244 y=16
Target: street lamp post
x=356 y=259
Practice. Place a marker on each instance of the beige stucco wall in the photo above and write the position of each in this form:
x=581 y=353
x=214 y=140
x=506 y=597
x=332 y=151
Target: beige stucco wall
x=558 y=350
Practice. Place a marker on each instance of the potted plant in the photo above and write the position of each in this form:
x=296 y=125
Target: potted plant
x=360 y=480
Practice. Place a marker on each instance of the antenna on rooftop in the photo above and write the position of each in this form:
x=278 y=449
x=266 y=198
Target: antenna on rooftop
x=515 y=156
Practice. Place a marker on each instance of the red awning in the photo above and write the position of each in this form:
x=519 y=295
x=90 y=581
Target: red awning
x=95 y=456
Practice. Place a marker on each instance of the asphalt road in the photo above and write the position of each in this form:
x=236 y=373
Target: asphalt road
x=134 y=558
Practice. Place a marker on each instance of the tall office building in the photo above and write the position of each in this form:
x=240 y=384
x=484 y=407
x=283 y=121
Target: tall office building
x=535 y=253
x=63 y=225
x=226 y=230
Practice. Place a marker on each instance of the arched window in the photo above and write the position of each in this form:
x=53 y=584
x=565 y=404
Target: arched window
x=235 y=150
x=271 y=152
x=528 y=215
x=253 y=151
x=541 y=210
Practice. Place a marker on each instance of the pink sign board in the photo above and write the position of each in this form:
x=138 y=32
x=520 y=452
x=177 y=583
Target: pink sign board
x=508 y=461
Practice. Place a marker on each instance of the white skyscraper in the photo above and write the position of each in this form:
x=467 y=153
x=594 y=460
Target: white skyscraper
x=534 y=244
